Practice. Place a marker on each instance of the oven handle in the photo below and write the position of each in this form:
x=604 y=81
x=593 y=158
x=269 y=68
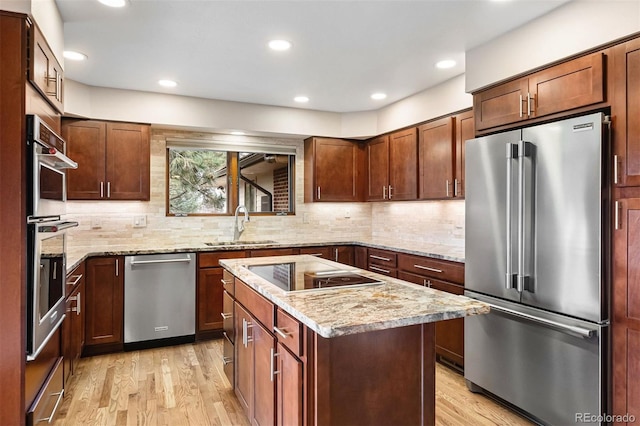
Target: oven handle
x=57 y=226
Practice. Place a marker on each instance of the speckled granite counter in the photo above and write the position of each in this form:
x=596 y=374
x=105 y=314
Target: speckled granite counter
x=341 y=311
x=75 y=255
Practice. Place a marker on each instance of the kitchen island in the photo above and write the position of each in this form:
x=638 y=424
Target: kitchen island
x=352 y=355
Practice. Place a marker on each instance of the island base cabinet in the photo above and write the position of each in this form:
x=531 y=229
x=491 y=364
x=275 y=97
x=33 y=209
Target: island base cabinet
x=289 y=382
x=370 y=378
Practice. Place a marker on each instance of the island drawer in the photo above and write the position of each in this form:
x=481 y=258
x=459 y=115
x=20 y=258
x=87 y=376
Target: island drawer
x=212 y=259
x=385 y=258
x=228 y=282
x=227 y=315
x=288 y=330
x=262 y=309
x=440 y=269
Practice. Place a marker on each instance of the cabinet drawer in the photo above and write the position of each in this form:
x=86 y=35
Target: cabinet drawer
x=382 y=257
x=258 y=306
x=212 y=260
x=227 y=315
x=432 y=283
x=74 y=278
x=228 y=281
x=288 y=330
x=383 y=270
x=440 y=269
x=228 y=359
x=48 y=400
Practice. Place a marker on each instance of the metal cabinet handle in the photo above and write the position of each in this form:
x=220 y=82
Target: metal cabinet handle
x=384 y=192
x=273 y=364
x=615 y=169
x=55 y=408
x=521 y=100
x=226 y=282
x=616 y=215
x=455 y=187
x=108 y=189
x=390 y=188
x=447 y=186
x=78 y=307
x=244 y=332
x=117 y=264
x=530 y=99
x=373 y=268
x=426 y=268
x=75 y=281
x=227 y=360
x=226 y=316
x=101 y=189
x=281 y=332
x=426 y=283
x=336 y=252
x=318 y=192
x=386 y=259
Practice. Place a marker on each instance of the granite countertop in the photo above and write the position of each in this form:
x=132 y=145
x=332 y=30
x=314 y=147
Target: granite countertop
x=75 y=255
x=341 y=311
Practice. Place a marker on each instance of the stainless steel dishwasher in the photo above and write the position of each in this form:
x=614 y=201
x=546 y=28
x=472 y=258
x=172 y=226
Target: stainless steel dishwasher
x=159 y=299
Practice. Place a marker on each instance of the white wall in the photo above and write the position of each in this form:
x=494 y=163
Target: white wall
x=572 y=28
x=20 y=6
x=46 y=14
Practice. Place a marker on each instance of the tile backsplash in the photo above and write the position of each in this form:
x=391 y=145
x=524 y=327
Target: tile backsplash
x=110 y=223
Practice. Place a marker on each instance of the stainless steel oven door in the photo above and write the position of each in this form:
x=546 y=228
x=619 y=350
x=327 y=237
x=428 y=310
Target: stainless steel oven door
x=46 y=282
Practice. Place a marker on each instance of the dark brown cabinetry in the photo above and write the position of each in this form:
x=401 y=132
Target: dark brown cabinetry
x=104 y=304
x=113 y=160
x=209 y=292
x=333 y=170
x=626 y=308
x=382 y=262
x=273 y=252
x=45 y=72
x=340 y=254
x=73 y=325
x=392 y=165
x=563 y=87
x=465 y=130
x=437 y=159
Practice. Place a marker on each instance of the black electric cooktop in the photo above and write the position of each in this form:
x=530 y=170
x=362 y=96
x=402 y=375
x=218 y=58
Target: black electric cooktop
x=309 y=275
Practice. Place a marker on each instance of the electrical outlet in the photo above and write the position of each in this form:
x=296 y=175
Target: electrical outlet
x=96 y=223
x=140 y=221
x=347 y=214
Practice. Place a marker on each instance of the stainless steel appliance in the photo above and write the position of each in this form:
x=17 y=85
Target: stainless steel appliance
x=536 y=218
x=309 y=275
x=46 y=232
x=159 y=299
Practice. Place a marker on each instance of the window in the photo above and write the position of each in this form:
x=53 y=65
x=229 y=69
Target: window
x=209 y=181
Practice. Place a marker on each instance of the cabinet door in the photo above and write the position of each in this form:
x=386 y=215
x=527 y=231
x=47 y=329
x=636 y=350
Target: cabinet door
x=344 y=254
x=228 y=316
x=465 y=130
x=289 y=388
x=626 y=107
x=336 y=169
x=127 y=161
x=626 y=309
x=436 y=158
x=264 y=384
x=85 y=145
x=244 y=358
x=378 y=167
x=209 y=296
x=78 y=315
x=403 y=165
x=45 y=72
x=503 y=104
x=104 y=300
x=573 y=84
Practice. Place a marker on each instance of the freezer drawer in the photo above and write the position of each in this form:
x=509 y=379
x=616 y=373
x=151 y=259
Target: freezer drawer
x=159 y=296
x=551 y=372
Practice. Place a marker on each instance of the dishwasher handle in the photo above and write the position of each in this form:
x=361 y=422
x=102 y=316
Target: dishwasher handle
x=148 y=262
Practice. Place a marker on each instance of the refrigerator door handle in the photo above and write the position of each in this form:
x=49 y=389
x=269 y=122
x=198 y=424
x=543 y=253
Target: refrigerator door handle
x=510 y=277
x=522 y=283
x=565 y=328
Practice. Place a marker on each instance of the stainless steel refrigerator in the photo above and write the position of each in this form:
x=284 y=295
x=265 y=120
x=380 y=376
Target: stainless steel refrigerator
x=535 y=250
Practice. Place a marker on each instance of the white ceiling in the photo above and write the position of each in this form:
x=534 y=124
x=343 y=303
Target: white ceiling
x=343 y=51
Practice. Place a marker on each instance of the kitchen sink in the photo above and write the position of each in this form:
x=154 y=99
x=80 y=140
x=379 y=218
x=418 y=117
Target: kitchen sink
x=240 y=243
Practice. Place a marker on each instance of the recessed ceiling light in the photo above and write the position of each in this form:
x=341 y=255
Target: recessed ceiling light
x=74 y=56
x=280 y=45
x=378 y=96
x=237 y=133
x=447 y=63
x=167 y=83
x=114 y=3
x=301 y=99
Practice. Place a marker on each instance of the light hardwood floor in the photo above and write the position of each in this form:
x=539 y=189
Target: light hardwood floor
x=185 y=385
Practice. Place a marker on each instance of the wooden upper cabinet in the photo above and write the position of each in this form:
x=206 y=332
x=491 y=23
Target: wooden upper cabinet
x=573 y=84
x=465 y=130
x=378 y=168
x=626 y=107
x=333 y=170
x=436 y=159
x=113 y=160
x=403 y=165
x=45 y=72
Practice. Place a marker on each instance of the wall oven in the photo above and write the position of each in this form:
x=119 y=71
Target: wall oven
x=46 y=234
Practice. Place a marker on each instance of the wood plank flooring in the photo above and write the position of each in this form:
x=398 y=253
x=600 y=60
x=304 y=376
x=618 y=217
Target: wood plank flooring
x=185 y=385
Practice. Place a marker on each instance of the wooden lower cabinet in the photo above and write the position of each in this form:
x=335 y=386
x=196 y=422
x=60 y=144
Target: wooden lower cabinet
x=104 y=304
x=243 y=360
x=264 y=391
x=73 y=330
x=289 y=388
x=209 y=296
x=626 y=309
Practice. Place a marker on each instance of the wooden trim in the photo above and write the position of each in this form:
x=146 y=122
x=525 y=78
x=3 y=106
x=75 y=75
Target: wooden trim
x=13 y=234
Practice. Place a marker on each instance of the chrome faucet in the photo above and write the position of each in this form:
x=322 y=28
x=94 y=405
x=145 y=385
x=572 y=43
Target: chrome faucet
x=238 y=229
